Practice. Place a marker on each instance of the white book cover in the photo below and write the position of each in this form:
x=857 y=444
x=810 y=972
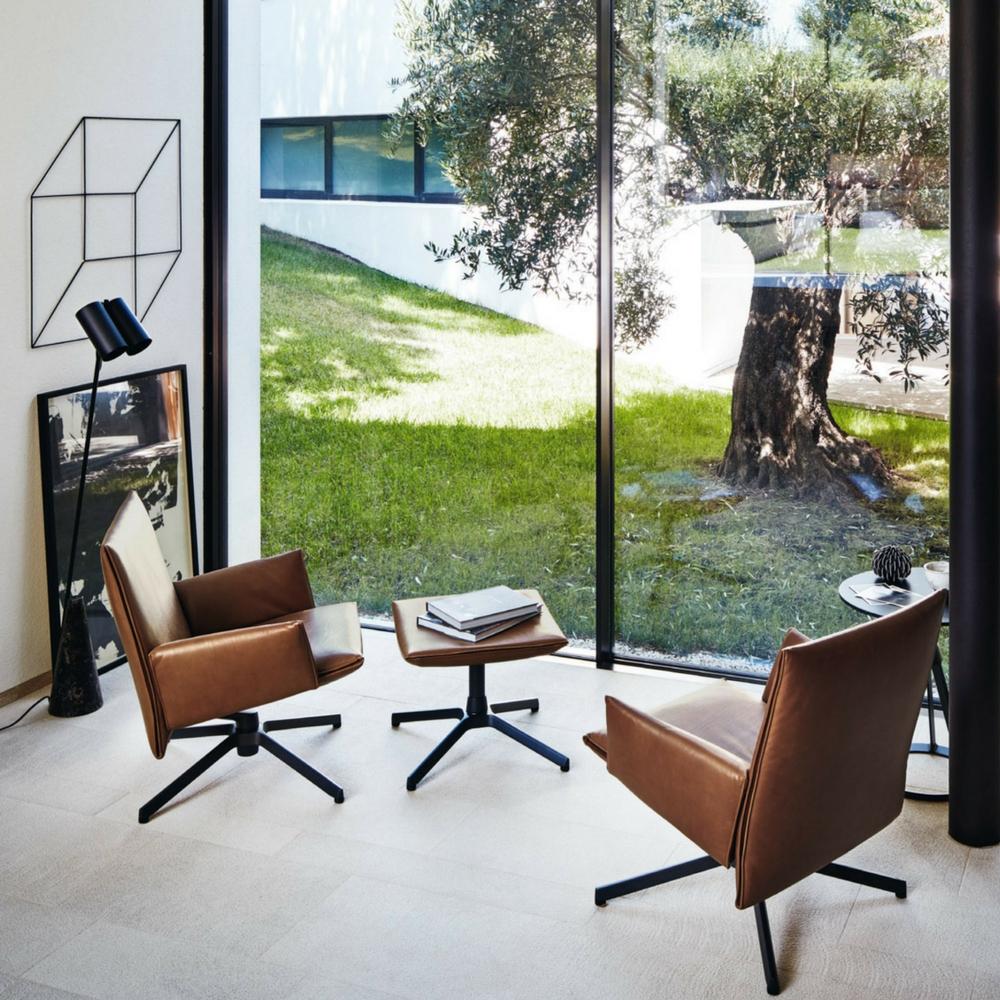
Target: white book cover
x=481 y=606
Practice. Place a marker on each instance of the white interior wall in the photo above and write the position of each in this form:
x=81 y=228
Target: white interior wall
x=243 y=359
x=60 y=61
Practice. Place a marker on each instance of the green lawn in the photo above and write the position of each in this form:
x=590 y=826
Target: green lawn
x=414 y=444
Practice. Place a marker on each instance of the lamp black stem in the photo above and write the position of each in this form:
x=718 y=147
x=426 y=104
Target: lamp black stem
x=79 y=497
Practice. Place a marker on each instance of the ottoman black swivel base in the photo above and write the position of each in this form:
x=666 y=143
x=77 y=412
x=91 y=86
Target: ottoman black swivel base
x=478 y=714
x=422 y=647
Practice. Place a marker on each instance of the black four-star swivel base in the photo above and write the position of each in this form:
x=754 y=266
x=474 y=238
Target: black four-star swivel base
x=604 y=893
x=478 y=714
x=246 y=736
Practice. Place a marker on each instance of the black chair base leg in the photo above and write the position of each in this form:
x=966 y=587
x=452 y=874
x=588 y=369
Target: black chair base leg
x=425 y=766
x=427 y=715
x=199 y=732
x=861 y=877
x=321 y=781
x=543 y=750
x=604 y=893
x=333 y=721
x=766 y=949
x=158 y=801
x=246 y=736
x=525 y=704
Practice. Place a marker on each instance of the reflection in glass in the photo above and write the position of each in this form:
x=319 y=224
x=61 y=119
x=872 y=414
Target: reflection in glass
x=782 y=314
x=292 y=157
x=366 y=162
x=421 y=433
x=435 y=179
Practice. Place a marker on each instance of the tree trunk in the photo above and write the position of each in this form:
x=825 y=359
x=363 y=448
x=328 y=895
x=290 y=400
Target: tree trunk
x=783 y=434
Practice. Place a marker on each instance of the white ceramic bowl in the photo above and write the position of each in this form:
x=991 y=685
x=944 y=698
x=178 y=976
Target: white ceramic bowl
x=937 y=574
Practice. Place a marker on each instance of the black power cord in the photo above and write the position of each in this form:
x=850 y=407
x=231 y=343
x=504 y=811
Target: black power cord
x=9 y=725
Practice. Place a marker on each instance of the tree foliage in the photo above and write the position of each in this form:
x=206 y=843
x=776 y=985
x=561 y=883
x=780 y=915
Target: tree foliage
x=879 y=32
x=707 y=106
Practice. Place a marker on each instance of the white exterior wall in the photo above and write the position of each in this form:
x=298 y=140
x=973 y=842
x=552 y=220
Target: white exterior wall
x=338 y=57
x=149 y=63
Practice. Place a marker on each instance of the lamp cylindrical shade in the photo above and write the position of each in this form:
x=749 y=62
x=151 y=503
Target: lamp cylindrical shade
x=101 y=330
x=131 y=330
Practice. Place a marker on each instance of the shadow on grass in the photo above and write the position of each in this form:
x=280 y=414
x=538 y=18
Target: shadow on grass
x=335 y=331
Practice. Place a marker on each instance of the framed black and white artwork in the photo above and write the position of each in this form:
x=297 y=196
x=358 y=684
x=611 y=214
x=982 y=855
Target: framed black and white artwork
x=141 y=441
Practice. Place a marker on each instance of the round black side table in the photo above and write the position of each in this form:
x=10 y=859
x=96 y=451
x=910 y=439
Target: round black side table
x=916 y=585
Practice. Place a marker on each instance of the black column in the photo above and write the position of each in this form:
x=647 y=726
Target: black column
x=974 y=812
x=216 y=175
x=605 y=527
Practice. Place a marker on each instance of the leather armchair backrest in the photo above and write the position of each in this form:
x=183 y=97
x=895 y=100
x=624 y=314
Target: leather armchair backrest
x=829 y=767
x=144 y=604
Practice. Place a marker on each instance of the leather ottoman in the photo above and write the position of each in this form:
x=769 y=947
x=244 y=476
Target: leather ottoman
x=426 y=648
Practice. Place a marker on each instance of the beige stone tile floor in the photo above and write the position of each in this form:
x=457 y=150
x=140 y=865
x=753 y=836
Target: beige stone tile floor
x=478 y=885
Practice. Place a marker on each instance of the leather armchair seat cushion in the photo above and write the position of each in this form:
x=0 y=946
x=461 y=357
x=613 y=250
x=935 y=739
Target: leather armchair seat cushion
x=721 y=714
x=334 y=635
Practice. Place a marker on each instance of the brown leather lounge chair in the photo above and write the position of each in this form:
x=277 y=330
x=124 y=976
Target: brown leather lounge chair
x=216 y=645
x=782 y=786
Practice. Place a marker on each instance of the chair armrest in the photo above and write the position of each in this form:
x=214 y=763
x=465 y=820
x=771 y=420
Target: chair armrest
x=210 y=676
x=793 y=637
x=694 y=785
x=247 y=594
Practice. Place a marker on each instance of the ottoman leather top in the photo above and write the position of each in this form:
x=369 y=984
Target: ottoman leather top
x=423 y=647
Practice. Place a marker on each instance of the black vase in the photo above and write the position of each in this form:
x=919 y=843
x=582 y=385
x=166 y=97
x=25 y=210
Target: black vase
x=76 y=688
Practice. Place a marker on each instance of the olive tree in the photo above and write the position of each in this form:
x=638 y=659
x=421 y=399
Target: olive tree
x=706 y=107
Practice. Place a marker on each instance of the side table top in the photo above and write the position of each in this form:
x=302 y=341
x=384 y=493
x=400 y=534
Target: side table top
x=916 y=584
x=424 y=647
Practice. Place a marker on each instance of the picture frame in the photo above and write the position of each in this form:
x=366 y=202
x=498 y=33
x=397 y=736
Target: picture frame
x=141 y=441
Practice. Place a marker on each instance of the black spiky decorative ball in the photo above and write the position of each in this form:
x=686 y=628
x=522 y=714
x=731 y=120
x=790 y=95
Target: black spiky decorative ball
x=891 y=564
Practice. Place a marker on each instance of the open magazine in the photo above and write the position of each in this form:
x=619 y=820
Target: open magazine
x=884 y=593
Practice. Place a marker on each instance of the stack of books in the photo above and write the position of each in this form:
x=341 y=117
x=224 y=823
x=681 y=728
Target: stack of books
x=479 y=614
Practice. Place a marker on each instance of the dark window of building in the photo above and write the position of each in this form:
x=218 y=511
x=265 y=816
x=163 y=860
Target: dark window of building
x=292 y=158
x=344 y=158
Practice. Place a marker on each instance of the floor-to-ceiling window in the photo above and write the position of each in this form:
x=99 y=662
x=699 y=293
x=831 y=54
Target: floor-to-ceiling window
x=780 y=269
x=428 y=309
x=781 y=277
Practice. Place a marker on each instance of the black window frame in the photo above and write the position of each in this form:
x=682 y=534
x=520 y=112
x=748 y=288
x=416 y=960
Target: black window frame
x=327 y=153
x=329 y=122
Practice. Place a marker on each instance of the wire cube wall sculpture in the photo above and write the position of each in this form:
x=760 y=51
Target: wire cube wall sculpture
x=105 y=221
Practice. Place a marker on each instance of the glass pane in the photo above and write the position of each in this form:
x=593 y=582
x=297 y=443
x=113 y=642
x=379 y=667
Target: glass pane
x=435 y=179
x=424 y=434
x=292 y=158
x=782 y=315
x=365 y=162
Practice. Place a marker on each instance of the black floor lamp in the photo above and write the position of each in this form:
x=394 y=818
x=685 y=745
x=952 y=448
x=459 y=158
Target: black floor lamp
x=113 y=329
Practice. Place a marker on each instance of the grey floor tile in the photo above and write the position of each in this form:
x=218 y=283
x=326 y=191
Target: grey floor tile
x=404 y=941
x=54 y=790
x=12 y=988
x=553 y=850
x=515 y=892
x=29 y=932
x=111 y=962
x=213 y=896
x=476 y=886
